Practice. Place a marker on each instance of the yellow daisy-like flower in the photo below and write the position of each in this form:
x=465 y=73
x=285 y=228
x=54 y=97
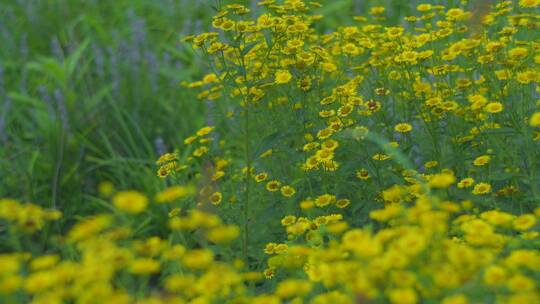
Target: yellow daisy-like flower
x=535 y=120
x=518 y=52
x=343 y=203
x=481 y=160
x=524 y=222
x=380 y=157
x=205 y=131
x=403 y=127
x=200 y=151
x=424 y=7
x=324 y=200
x=493 y=107
x=442 y=180
x=130 y=201
x=261 y=177
x=529 y=3
x=288 y=220
x=481 y=188
x=466 y=182
x=362 y=174
x=215 y=198
x=273 y=186
x=287 y=191
x=282 y=77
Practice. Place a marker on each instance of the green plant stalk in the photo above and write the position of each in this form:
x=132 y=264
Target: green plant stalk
x=247 y=148
x=248 y=183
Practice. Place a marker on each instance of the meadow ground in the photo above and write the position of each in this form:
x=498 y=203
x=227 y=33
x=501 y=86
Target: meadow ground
x=269 y=152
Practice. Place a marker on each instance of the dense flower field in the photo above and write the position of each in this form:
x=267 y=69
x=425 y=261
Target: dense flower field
x=370 y=163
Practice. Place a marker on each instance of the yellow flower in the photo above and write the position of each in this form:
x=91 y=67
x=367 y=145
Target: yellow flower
x=380 y=157
x=518 y=52
x=273 y=186
x=494 y=275
x=215 y=198
x=442 y=180
x=529 y=3
x=223 y=234
x=520 y=282
x=266 y=153
x=200 y=151
x=198 y=258
x=424 y=7
x=324 y=200
x=362 y=174
x=173 y=193
x=281 y=248
x=330 y=144
x=535 y=120
x=481 y=188
x=351 y=49
x=292 y=287
x=431 y=164
x=295 y=43
x=455 y=299
x=106 y=188
x=130 y=201
x=205 y=131
x=403 y=127
x=524 y=222
x=261 y=177
x=377 y=10
x=493 y=107
x=189 y=140
x=457 y=14
x=44 y=262
x=144 y=266
x=269 y=273
x=287 y=191
x=394 y=32
x=329 y=67
x=307 y=204
x=343 y=203
x=288 y=220
x=403 y=296
x=481 y=160
x=282 y=76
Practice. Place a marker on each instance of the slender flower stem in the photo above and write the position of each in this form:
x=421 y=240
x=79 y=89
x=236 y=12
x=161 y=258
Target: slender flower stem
x=248 y=182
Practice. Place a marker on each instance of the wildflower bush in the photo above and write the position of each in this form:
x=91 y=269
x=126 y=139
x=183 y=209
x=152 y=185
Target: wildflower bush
x=373 y=163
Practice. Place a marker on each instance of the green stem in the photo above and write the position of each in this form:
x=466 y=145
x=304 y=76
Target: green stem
x=248 y=182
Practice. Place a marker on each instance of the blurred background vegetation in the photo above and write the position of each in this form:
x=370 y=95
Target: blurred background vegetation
x=89 y=91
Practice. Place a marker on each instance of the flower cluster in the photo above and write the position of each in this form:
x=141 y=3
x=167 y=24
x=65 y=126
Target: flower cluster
x=373 y=162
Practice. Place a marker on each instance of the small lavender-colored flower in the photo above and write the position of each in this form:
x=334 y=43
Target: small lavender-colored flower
x=2 y=92
x=62 y=110
x=186 y=27
x=44 y=94
x=159 y=145
x=114 y=68
x=3 y=116
x=98 y=60
x=152 y=64
x=198 y=27
x=254 y=8
x=358 y=6
x=56 y=48
x=23 y=46
x=166 y=59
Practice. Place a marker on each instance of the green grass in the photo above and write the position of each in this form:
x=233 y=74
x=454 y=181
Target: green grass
x=90 y=92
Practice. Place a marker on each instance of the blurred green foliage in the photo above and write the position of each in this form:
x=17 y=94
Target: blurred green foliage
x=89 y=91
